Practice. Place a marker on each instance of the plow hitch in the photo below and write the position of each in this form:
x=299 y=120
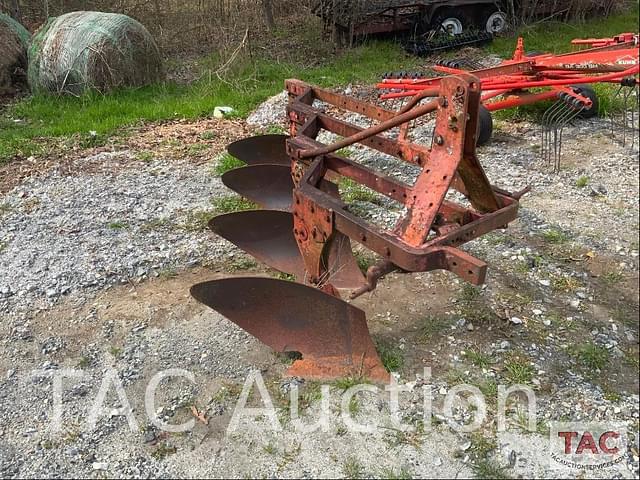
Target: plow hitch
x=308 y=230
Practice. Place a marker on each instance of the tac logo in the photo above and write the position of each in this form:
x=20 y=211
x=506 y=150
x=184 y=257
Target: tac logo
x=587 y=446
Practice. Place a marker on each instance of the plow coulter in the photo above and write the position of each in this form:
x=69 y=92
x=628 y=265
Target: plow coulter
x=305 y=228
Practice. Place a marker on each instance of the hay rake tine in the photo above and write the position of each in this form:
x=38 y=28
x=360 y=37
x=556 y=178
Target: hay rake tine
x=546 y=122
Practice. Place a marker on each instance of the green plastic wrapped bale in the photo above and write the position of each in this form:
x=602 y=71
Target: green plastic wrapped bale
x=14 y=41
x=82 y=51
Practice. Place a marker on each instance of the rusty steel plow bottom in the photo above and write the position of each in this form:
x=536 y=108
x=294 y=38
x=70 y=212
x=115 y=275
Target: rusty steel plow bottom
x=331 y=335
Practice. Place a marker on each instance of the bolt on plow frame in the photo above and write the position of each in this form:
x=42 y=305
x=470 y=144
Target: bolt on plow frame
x=306 y=230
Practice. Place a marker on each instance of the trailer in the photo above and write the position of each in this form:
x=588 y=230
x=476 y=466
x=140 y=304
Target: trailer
x=350 y=19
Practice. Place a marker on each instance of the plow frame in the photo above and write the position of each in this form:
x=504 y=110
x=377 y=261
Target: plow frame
x=428 y=236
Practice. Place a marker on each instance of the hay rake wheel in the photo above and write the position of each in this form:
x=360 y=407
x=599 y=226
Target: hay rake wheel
x=310 y=235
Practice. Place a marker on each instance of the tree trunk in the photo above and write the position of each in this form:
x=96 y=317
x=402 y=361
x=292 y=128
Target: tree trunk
x=267 y=6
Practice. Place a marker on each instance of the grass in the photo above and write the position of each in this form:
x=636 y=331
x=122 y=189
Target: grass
x=163 y=450
x=392 y=474
x=118 y=225
x=227 y=162
x=168 y=273
x=518 y=370
x=145 y=156
x=232 y=203
x=489 y=469
x=612 y=277
x=346 y=383
x=432 y=326
x=582 y=181
x=391 y=355
x=351 y=191
x=249 y=82
x=479 y=359
x=197 y=220
x=591 y=356
x=482 y=445
x=554 y=235
x=352 y=468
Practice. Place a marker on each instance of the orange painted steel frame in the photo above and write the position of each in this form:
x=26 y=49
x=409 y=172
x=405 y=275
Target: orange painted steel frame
x=428 y=236
x=612 y=60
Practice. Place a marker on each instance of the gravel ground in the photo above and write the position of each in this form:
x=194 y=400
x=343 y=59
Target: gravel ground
x=95 y=267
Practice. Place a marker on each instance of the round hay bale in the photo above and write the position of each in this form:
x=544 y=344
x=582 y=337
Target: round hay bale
x=82 y=51
x=14 y=41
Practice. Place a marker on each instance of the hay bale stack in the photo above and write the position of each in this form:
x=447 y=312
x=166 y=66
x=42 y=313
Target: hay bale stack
x=82 y=51
x=14 y=41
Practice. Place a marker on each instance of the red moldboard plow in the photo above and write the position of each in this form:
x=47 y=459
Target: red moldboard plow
x=308 y=229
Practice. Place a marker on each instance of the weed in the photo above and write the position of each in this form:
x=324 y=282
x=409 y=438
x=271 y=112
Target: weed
x=228 y=391
x=274 y=129
x=632 y=358
x=391 y=355
x=227 y=162
x=232 y=203
x=118 y=225
x=345 y=383
x=3 y=245
x=163 y=450
x=554 y=235
x=311 y=393
x=365 y=260
x=489 y=389
x=591 y=356
x=612 y=277
x=482 y=445
x=582 y=181
x=405 y=437
x=286 y=277
x=489 y=469
x=345 y=152
x=432 y=326
x=352 y=468
x=479 y=359
x=197 y=220
x=518 y=370
x=168 y=273
x=354 y=192
x=611 y=395
x=270 y=448
x=84 y=362
x=390 y=474
x=5 y=208
x=242 y=263
x=154 y=224
x=145 y=156
x=197 y=148
x=115 y=351
x=354 y=405
x=565 y=284
x=208 y=135
x=469 y=293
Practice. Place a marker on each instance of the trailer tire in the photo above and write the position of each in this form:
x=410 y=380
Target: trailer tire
x=495 y=21
x=451 y=20
x=590 y=93
x=485 y=126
